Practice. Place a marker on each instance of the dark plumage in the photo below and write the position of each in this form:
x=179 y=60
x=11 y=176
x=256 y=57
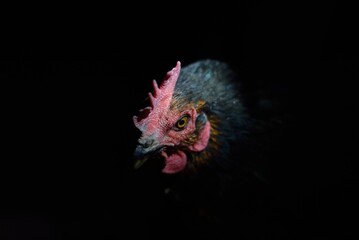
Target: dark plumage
x=211 y=85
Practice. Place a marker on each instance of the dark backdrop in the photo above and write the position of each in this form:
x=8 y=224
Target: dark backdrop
x=72 y=77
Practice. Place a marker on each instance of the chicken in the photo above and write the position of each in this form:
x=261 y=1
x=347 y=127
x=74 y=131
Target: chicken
x=193 y=117
x=199 y=128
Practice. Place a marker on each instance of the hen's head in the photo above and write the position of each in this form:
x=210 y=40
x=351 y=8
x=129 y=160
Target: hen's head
x=171 y=127
x=194 y=118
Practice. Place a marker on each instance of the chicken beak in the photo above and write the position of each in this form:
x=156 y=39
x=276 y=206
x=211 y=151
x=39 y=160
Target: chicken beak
x=144 y=151
x=140 y=161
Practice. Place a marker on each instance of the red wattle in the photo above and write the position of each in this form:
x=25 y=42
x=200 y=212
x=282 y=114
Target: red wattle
x=175 y=162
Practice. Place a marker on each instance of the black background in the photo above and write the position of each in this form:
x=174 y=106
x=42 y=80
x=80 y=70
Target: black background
x=72 y=77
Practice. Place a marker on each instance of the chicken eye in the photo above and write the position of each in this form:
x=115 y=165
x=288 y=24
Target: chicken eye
x=181 y=123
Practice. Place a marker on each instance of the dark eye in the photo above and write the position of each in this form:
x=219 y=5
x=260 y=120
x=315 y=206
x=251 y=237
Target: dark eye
x=181 y=123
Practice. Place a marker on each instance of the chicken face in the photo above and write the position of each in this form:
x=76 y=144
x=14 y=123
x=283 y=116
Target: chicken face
x=170 y=128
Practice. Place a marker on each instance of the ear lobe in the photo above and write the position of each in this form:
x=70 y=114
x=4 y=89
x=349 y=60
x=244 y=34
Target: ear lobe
x=203 y=126
x=203 y=138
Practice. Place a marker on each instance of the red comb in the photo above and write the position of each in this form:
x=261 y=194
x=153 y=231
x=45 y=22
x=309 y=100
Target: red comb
x=160 y=100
